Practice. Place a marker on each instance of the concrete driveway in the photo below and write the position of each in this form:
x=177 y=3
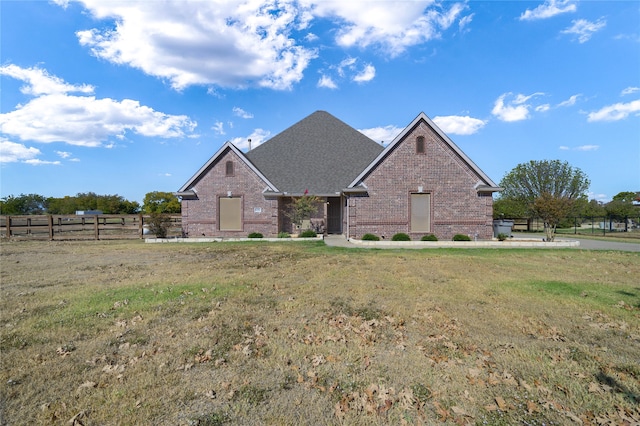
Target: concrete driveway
x=589 y=244
x=585 y=243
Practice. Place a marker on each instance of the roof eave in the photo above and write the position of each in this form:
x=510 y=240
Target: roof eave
x=187 y=195
x=486 y=188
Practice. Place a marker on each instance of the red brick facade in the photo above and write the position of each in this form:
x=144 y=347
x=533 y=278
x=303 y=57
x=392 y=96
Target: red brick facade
x=456 y=206
x=378 y=201
x=200 y=217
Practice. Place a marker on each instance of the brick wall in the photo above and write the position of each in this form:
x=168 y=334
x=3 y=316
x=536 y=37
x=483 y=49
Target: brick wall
x=456 y=207
x=200 y=217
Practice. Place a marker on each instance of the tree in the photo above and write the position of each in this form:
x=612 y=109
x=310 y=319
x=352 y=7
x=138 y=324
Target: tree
x=548 y=189
x=108 y=204
x=23 y=204
x=592 y=208
x=621 y=206
x=161 y=202
x=303 y=207
x=509 y=208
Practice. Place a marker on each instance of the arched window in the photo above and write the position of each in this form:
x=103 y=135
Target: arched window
x=229 y=168
x=420 y=145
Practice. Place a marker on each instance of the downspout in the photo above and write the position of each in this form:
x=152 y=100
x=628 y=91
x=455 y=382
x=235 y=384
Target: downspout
x=347 y=198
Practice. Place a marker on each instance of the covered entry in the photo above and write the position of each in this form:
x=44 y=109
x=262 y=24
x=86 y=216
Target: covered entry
x=334 y=215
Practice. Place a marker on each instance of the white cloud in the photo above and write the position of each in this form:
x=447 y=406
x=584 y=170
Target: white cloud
x=218 y=128
x=56 y=116
x=11 y=152
x=543 y=108
x=570 y=102
x=615 y=112
x=386 y=24
x=584 y=29
x=203 y=43
x=63 y=154
x=40 y=82
x=367 y=74
x=327 y=82
x=515 y=110
x=464 y=23
x=258 y=137
x=347 y=68
x=549 y=9
x=459 y=125
x=587 y=148
x=36 y=162
x=250 y=42
x=580 y=148
x=630 y=90
x=382 y=134
x=242 y=113
x=599 y=197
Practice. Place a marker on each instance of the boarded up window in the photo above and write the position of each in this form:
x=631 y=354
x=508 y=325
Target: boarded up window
x=420 y=145
x=420 y=212
x=230 y=214
x=229 y=168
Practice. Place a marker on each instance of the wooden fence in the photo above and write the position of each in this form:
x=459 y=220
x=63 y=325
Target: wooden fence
x=83 y=227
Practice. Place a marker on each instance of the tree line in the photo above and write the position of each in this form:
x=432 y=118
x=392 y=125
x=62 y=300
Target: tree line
x=554 y=191
x=33 y=204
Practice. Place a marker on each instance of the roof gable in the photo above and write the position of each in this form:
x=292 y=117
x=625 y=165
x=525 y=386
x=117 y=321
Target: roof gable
x=320 y=154
x=485 y=185
x=213 y=160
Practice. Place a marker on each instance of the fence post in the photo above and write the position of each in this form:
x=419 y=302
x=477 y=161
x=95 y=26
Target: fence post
x=140 y=226
x=50 y=220
x=95 y=228
x=8 y=226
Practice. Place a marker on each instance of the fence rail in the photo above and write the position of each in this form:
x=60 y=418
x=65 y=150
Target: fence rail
x=601 y=225
x=83 y=227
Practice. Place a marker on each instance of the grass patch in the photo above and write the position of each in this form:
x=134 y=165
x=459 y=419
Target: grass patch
x=241 y=333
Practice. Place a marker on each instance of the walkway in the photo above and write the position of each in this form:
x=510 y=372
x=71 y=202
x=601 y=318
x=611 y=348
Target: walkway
x=583 y=243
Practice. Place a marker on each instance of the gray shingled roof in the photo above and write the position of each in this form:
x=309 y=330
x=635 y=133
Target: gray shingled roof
x=320 y=154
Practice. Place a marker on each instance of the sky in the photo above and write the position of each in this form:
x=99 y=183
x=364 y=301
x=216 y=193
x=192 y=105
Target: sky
x=129 y=97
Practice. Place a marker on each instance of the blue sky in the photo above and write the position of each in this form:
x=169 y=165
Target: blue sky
x=129 y=97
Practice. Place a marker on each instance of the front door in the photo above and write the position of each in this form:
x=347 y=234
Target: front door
x=334 y=215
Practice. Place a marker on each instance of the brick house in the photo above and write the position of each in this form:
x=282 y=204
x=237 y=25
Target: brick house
x=421 y=183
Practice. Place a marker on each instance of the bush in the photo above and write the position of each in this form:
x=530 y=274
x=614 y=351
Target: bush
x=429 y=237
x=400 y=236
x=283 y=235
x=502 y=236
x=370 y=237
x=309 y=233
x=461 y=237
x=159 y=224
x=255 y=235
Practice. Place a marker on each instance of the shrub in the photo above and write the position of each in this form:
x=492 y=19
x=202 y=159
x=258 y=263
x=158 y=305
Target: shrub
x=283 y=235
x=255 y=235
x=159 y=224
x=309 y=233
x=502 y=236
x=400 y=236
x=429 y=237
x=370 y=237
x=461 y=237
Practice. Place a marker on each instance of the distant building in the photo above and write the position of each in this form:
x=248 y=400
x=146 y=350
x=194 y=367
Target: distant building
x=88 y=212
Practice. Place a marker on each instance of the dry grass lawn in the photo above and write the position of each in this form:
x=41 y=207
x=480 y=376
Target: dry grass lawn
x=110 y=333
